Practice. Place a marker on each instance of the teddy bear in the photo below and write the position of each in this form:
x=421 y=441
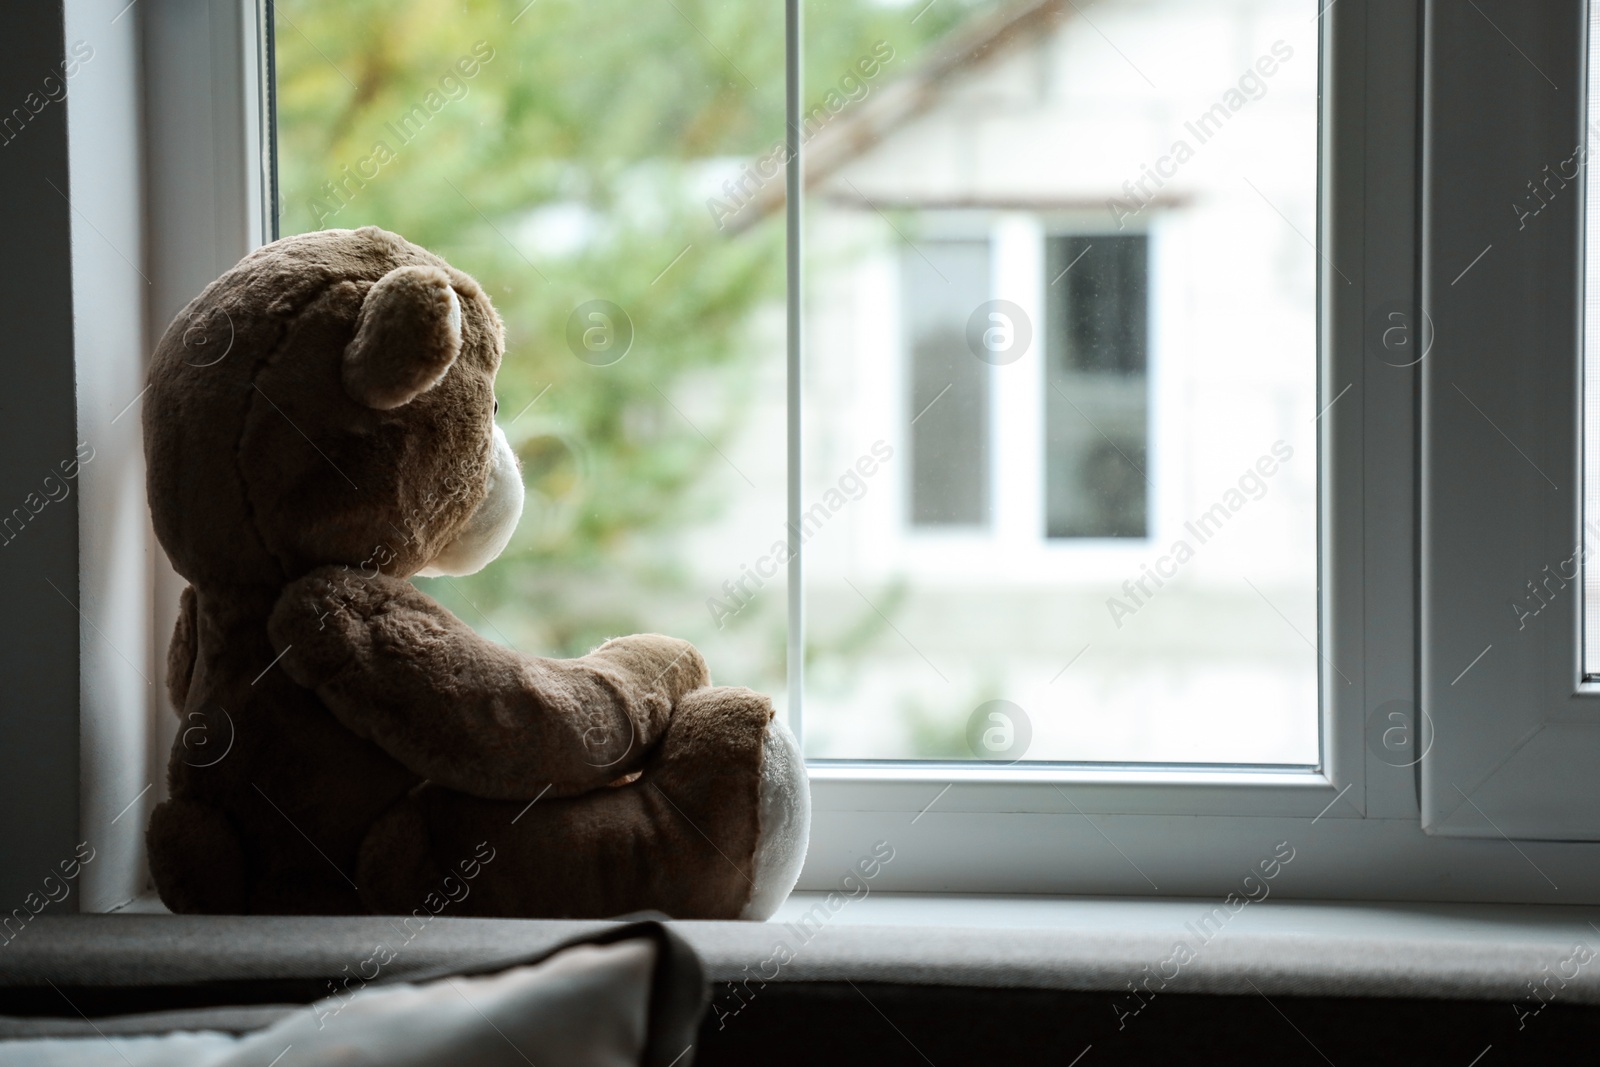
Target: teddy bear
x=318 y=428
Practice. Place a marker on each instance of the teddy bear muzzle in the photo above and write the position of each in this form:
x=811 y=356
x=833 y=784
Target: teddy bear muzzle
x=490 y=527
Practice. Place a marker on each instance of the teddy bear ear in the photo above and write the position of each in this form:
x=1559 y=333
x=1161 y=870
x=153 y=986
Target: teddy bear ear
x=408 y=334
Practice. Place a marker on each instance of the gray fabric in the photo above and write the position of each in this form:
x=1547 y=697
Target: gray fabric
x=148 y=1050
x=1345 y=950
x=586 y=1005
x=217 y=1020
x=1055 y=959
x=143 y=950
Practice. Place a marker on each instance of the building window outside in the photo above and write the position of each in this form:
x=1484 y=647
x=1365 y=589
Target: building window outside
x=950 y=424
x=1096 y=395
x=1095 y=386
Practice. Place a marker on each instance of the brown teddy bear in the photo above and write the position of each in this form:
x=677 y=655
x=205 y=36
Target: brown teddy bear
x=319 y=427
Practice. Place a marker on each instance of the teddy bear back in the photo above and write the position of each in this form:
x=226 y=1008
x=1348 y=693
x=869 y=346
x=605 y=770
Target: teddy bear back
x=325 y=401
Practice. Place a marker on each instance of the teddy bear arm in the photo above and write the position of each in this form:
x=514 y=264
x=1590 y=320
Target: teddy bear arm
x=396 y=667
x=596 y=716
x=488 y=722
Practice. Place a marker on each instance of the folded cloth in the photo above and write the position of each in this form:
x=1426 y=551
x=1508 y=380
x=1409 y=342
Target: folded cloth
x=630 y=997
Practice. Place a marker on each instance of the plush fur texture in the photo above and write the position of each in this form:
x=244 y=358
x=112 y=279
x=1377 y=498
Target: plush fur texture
x=489 y=530
x=347 y=744
x=785 y=823
x=408 y=334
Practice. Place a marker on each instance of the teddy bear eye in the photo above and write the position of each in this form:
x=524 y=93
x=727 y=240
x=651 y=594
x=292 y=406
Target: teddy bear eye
x=497 y=407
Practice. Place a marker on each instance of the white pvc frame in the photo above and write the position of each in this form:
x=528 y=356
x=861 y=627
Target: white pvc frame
x=1517 y=722
x=1354 y=822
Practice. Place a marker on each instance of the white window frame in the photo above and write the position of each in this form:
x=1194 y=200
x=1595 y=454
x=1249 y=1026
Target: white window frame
x=1355 y=821
x=1516 y=723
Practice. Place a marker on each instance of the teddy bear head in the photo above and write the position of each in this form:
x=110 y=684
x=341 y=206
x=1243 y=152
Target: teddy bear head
x=330 y=400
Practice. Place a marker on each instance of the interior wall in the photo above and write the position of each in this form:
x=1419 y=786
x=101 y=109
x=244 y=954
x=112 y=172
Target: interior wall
x=39 y=589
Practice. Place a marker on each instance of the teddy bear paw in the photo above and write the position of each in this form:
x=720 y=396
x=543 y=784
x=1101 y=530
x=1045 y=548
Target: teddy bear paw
x=670 y=665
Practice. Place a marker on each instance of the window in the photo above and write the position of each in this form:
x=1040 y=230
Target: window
x=608 y=200
x=1096 y=389
x=1099 y=505
x=1439 y=737
x=949 y=441
x=1516 y=720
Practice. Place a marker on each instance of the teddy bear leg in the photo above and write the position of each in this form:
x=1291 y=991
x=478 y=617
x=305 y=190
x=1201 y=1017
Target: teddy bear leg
x=196 y=860
x=395 y=867
x=713 y=828
x=731 y=805
x=785 y=813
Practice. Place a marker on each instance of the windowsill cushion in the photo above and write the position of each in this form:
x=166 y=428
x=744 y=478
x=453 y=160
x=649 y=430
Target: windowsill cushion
x=1441 y=951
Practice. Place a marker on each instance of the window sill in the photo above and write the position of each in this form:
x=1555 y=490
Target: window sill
x=1297 y=948
x=1274 y=947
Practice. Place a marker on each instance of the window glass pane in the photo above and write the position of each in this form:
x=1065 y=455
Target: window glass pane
x=1096 y=398
x=1107 y=522
x=1099 y=315
x=585 y=162
x=1100 y=507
